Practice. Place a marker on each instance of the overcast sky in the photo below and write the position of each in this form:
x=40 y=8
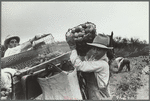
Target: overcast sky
x=27 y=19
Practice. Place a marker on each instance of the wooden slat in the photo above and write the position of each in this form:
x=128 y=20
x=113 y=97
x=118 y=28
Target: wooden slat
x=53 y=61
x=18 y=58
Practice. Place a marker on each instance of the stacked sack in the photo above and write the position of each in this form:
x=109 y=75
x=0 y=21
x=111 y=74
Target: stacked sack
x=83 y=34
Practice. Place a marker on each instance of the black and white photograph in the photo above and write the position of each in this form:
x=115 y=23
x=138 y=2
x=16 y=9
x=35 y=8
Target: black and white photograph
x=75 y=50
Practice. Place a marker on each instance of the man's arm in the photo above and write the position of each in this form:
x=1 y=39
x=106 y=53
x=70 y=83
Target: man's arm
x=26 y=46
x=87 y=66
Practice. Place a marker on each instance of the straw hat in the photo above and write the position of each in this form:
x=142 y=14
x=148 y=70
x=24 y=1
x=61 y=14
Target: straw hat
x=9 y=37
x=101 y=41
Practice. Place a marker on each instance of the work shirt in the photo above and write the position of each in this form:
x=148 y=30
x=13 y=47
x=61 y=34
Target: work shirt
x=18 y=49
x=119 y=60
x=99 y=67
x=12 y=51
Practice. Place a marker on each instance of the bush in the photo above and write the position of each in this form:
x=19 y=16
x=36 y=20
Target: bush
x=130 y=47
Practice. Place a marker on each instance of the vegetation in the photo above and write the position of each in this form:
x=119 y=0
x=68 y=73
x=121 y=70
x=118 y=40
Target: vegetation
x=127 y=87
x=130 y=47
x=124 y=47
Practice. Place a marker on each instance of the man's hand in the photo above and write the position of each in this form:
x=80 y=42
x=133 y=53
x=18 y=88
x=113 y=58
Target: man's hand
x=70 y=40
x=35 y=38
x=38 y=37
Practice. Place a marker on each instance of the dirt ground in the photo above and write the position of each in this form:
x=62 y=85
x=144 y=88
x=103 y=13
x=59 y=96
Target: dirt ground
x=143 y=93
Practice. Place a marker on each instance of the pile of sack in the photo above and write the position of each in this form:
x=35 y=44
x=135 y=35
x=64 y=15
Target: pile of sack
x=83 y=34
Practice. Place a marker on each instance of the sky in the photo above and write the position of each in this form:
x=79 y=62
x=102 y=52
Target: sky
x=27 y=19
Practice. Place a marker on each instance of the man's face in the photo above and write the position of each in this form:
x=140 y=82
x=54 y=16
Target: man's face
x=13 y=43
x=97 y=53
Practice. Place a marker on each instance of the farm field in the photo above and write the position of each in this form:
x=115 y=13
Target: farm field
x=131 y=85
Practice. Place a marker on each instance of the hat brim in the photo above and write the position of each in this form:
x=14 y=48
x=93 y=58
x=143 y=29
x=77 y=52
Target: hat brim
x=14 y=37
x=99 y=45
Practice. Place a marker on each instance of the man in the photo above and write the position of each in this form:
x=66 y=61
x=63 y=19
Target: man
x=12 y=47
x=95 y=65
x=12 y=44
x=119 y=63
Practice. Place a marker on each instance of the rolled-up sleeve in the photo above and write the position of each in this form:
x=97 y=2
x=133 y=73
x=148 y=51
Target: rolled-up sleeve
x=86 y=66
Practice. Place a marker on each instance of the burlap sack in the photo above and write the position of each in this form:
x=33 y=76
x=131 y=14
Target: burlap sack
x=62 y=86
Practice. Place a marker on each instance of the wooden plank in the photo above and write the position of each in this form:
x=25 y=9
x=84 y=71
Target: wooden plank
x=18 y=58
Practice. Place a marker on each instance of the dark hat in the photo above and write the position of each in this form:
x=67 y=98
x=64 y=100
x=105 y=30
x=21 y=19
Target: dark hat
x=9 y=37
x=101 y=41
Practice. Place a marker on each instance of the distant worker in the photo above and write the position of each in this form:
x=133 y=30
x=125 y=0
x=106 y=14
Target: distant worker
x=119 y=63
